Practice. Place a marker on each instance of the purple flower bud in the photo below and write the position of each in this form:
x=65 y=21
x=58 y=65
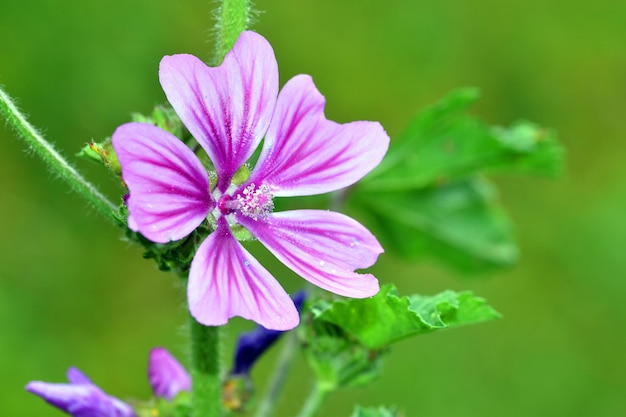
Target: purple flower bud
x=80 y=398
x=253 y=344
x=167 y=376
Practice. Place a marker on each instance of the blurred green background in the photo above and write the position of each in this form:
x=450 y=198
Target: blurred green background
x=73 y=293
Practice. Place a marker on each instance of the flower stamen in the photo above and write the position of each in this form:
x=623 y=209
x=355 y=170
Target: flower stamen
x=255 y=202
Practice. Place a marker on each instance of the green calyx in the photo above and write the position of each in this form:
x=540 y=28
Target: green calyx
x=241 y=175
x=241 y=233
x=102 y=153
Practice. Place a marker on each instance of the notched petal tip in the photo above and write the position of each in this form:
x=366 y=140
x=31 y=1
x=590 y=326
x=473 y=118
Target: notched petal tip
x=228 y=108
x=304 y=153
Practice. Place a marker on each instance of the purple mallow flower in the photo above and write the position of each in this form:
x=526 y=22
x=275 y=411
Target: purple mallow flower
x=251 y=345
x=229 y=110
x=167 y=376
x=80 y=398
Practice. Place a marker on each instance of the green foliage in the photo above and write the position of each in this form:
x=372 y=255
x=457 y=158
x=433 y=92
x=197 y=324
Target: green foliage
x=443 y=143
x=337 y=359
x=173 y=256
x=459 y=222
x=375 y=412
x=344 y=341
x=378 y=321
x=428 y=197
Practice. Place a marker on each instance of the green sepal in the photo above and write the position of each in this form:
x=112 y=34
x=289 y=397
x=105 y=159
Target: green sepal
x=378 y=321
x=242 y=175
x=90 y=152
x=376 y=412
x=443 y=143
x=241 y=233
x=102 y=153
x=460 y=223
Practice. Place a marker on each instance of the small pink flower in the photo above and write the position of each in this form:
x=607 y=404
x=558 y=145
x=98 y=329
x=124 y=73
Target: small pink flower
x=229 y=110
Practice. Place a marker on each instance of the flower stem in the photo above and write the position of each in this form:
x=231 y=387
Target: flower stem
x=206 y=386
x=54 y=161
x=287 y=355
x=233 y=17
x=315 y=401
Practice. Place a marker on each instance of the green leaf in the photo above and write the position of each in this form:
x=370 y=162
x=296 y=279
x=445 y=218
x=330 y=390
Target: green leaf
x=338 y=359
x=443 y=143
x=531 y=149
x=459 y=223
x=386 y=318
x=375 y=412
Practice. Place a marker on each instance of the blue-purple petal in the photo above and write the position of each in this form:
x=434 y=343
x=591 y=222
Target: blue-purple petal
x=80 y=398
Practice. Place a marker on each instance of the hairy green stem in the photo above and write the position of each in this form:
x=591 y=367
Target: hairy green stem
x=233 y=18
x=206 y=385
x=279 y=377
x=54 y=161
x=315 y=401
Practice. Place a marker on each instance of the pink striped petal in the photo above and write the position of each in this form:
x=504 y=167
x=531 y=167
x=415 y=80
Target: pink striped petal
x=227 y=108
x=323 y=247
x=305 y=154
x=169 y=187
x=225 y=281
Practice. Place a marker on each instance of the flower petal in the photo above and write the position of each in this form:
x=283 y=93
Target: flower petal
x=75 y=376
x=225 y=281
x=251 y=345
x=80 y=399
x=323 y=247
x=169 y=187
x=167 y=376
x=305 y=154
x=227 y=108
